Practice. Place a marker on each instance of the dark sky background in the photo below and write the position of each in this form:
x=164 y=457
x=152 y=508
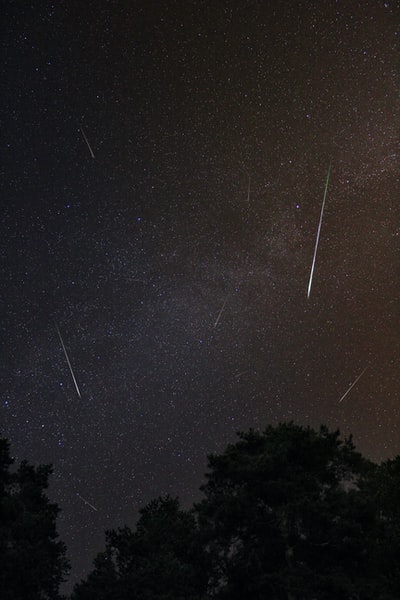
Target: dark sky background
x=212 y=126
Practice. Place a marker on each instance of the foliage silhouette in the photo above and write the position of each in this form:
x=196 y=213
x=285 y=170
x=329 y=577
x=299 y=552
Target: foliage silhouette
x=283 y=517
x=162 y=559
x=32 y=559
x=289 y=513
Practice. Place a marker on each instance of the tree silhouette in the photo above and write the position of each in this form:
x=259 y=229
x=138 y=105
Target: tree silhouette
x=288 y=514
x=383 y=489
x=161 y=559
x=284 y=518
x=32 y=559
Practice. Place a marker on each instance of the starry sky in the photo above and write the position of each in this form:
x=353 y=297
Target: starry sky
x=163 y=167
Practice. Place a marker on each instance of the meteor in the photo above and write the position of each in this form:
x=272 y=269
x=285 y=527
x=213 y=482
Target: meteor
x=238 y=375
x=353 y=384
x=87 y=142
x=86 y=502
x=69 y=363
x=248 y=190
x=220 y=312
x=318 y=233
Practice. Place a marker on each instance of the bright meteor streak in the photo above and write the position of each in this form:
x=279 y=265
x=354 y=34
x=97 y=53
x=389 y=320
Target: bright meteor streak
x=318 y=233
x=353 y=384
x=69 y=363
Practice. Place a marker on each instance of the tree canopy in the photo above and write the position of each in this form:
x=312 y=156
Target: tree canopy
x=289 y=513
x=283 y=517
x=162 y=559
x=32 y=559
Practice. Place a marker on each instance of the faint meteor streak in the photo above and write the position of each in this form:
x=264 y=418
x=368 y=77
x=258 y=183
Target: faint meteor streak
x=248 y=190
x=238 y=375
x=318 y=233
x=87 y=142
x=69 y=363
x=86 y=502
x=353 y=384
x=221 y=311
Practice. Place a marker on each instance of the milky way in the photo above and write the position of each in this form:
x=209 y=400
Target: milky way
x=173 y=249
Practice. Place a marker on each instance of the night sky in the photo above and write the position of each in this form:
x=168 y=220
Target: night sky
x=163 y=167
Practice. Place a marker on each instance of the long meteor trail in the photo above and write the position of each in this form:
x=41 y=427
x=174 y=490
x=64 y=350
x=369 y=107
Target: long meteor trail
x=353 y=384
x=87 y=142
x=69 y=363
x=318 y=233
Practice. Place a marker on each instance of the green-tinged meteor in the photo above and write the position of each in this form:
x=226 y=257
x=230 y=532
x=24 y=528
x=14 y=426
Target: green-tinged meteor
x=318 y=233
x=69 y=363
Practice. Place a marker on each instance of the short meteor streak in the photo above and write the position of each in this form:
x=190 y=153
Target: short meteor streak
x=86 y=502
x=221 y=311
x=353 y=384
x=238 y=375
x=87 y=142
x=318 y=233
x=248 y=190
x=69 y=363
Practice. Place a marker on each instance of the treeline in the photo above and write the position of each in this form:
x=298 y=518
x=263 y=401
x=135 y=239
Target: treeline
x=290 y=513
